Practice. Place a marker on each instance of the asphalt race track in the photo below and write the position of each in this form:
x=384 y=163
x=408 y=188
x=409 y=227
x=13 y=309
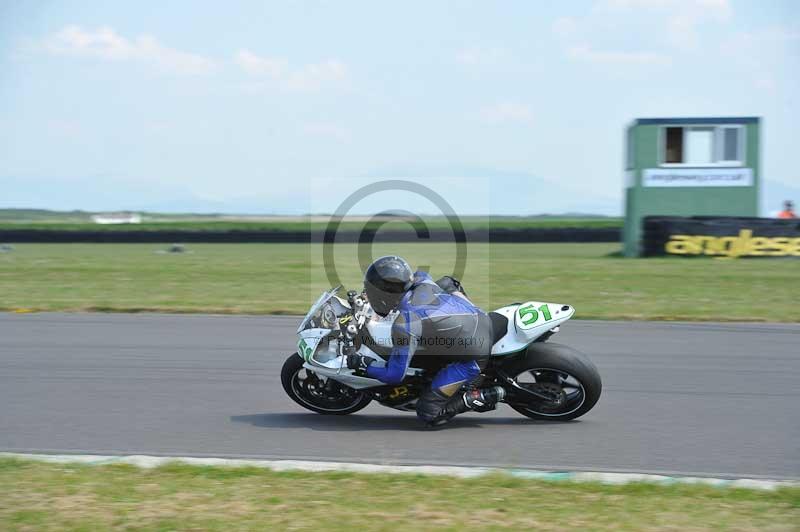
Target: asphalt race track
x=708 y=399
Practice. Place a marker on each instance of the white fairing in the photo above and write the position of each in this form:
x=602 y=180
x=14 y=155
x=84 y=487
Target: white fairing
x=527 y=322
x=322 y=353
x=381 y=328
x=323 y=356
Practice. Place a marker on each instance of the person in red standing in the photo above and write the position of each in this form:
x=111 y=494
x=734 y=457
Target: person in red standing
x=788 y=211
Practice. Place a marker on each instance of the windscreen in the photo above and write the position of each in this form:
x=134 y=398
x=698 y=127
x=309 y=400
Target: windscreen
x=317 y=306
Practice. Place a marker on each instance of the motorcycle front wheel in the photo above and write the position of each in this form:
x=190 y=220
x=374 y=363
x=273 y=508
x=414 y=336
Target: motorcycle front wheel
x=559 y=371
x=317 y=393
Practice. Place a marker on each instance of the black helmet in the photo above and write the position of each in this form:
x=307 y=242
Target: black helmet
x=386 y=281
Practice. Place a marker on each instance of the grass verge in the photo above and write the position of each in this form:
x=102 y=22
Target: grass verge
x=286 y=278
x=181 y=497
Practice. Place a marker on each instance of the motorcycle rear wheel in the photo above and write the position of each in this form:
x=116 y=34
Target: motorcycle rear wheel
x=327 y=396
x=556 y=369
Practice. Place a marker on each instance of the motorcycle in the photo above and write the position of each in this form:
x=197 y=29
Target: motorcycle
x=542 y=380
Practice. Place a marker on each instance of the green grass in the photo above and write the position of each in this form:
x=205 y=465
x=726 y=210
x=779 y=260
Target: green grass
x=285 y=278
x=179 y=497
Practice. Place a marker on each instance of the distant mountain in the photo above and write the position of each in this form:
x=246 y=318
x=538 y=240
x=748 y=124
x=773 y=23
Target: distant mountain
x=115 y=195
x=471 y=191
x=509 y=192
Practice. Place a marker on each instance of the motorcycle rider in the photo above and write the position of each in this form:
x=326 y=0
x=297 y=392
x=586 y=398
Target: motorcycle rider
x=431 y=318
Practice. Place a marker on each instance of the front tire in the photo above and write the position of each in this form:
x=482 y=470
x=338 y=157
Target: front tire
x=557 y=369
x=327 y=396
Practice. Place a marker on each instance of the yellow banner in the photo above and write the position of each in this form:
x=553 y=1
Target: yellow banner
x=742 y=245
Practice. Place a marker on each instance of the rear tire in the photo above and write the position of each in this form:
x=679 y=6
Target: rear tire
x=320 y=401
x=557 y=360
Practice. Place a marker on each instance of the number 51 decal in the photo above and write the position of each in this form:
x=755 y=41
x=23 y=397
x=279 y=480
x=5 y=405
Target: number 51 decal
x=528 y=315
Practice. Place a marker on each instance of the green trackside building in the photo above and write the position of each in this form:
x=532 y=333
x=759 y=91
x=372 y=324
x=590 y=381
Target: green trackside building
x=689 y=167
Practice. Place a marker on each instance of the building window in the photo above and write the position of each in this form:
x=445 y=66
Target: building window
x=703 y=146
x=674 y=149
x=731 y=143
x=699 y=145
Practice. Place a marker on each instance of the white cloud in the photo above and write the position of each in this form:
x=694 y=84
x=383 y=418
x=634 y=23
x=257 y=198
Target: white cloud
x=64 y=128
x=327 y=130
x=105 y=44
x=766 y=83
x=632 y=33
x=314 y=76
x=480 y=57
x=716 y=6
x=565 y=27
x=278 y=72
x=682 y=17
x=607 y=57
x=755 y=45
x=258 y=66
x=507 y=112
x=763 y=53
x=634 y=4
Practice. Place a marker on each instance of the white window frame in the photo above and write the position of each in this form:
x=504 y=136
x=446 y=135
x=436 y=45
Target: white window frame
x=718 y=147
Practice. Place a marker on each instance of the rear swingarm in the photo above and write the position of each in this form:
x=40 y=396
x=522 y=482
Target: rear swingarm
x=515 y=389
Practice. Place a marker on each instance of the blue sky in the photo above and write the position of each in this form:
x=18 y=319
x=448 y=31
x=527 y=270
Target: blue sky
x=285 y=107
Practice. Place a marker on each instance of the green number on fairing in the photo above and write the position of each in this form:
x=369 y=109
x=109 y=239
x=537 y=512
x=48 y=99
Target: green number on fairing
x=528 y=310
x=305 y=350
x=545 y=312
x=533 y=314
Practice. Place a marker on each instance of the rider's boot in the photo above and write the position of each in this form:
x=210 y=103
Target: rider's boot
x=431 y=407
x=484 y=399
x=436 y=409
x=476 y=399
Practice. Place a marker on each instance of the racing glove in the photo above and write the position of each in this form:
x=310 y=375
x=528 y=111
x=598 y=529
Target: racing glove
x=451 y=285
x=359 y=363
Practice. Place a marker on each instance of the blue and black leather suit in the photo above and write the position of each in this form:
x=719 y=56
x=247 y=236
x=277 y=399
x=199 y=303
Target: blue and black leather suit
x=434 y=322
